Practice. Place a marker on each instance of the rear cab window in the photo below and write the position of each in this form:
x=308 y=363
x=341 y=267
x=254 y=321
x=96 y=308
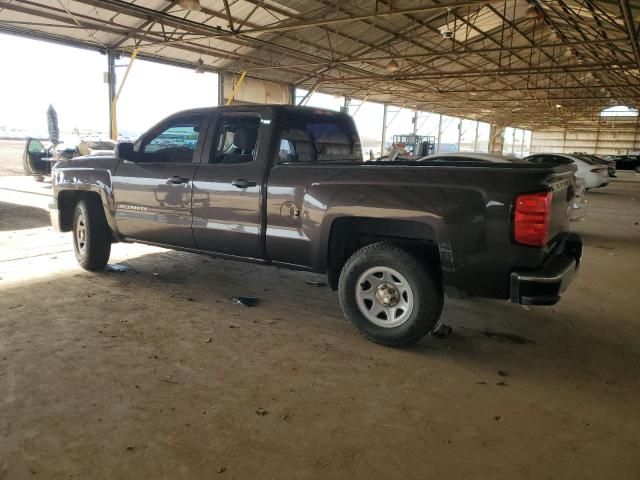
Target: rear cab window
x=313 y=136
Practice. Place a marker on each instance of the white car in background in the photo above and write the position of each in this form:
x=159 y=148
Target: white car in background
x=594 y=175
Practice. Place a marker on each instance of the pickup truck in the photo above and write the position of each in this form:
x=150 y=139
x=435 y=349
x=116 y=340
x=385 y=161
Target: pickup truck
x=287 y=186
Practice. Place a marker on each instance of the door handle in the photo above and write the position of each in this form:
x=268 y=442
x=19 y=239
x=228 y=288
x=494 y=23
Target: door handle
x=177 y=180
x=242 y=183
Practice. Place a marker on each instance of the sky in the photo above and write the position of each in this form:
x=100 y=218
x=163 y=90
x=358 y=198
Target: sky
x=72 y=80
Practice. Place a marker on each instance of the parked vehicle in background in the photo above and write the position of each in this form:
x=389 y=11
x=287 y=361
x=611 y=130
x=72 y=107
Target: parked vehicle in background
x=626 y=162
x=610 y=164
x=592 y=173
x=37 y=159
x=579 y=211
x=287 y=186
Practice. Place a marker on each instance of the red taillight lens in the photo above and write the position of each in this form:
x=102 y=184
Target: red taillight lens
x=531 y=219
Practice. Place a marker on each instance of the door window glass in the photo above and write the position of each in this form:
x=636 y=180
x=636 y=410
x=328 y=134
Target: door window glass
x=175 y=144
x=35 y=147
x=237 y=139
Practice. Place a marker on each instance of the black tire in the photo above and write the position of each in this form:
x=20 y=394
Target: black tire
x=94 y=247
x=39 y=178
x=425 y=287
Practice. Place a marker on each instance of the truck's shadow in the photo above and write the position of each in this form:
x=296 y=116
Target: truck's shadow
x=21 y=217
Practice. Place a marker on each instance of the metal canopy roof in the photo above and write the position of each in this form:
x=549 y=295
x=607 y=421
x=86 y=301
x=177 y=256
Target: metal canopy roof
x=524 y=63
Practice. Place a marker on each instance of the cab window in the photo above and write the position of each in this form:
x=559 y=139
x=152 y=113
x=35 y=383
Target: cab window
x=237 y=139
x=176 y=142
x=318 y=136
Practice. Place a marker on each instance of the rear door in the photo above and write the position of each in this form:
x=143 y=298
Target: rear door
x=228 y=184
x=153 y=194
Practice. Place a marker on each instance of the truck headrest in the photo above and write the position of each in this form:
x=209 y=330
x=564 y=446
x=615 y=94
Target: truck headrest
x=245 y=138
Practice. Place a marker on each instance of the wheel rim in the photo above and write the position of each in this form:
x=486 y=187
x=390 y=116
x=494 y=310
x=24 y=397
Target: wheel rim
x=81 y=234
x=384 y=297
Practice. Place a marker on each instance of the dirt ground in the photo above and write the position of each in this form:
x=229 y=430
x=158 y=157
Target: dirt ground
x=155 y=373
x=11 y=157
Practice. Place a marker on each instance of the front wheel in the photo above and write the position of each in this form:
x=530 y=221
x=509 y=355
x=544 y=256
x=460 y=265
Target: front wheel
x=390 y=295
x=91 y=235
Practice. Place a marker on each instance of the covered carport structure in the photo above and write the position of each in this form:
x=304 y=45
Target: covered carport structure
x=524 y=64
x=153 y=368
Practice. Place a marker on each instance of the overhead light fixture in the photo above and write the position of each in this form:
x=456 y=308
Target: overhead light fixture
x=554 y=36
x=200 y=66
x=558 y=105
x=445 y=31
x=393 y=66
x=193 y=5
x=569 y=52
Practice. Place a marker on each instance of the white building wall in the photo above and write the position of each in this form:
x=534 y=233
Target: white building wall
x=609 y=136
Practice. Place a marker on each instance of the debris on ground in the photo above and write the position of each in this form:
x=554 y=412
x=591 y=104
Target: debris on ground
x=315 y=284
x=169 y=381
x=208 y=340
x=116 y=267
x=245 y=301
x=130 y=447
x=261 y=411
x=222 y=469
x=503 y=373
x=481 y=383
x=510 y=337
x=287 y=416
x=498 y=417
x=441 y=331
x=501 y=384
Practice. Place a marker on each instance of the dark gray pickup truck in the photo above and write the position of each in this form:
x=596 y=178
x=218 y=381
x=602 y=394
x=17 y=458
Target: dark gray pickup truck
x=287 y=186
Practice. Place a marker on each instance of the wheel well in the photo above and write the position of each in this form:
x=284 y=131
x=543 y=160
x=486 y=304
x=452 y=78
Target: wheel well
x=67 y=201
x=351 y=234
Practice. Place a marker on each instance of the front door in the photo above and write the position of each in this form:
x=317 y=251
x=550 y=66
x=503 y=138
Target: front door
x=228 y=184
x=153 y=193
x=32 y=159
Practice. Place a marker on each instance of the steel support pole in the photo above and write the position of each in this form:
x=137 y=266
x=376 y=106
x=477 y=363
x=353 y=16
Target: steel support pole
x=439 y=133
x=221 y=75
x=384 y=129
x=459 y=132
x=475 y=141
x=111 y=80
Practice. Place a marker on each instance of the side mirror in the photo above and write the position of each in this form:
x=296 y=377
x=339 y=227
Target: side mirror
x=125 y=151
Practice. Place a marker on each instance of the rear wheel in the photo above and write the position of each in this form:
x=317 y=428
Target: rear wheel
x=91 y=235
x=390 y=295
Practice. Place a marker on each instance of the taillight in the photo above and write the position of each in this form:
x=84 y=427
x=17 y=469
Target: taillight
x=531 y=219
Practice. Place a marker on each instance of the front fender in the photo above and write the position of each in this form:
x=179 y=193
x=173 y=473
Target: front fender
x=76 y=178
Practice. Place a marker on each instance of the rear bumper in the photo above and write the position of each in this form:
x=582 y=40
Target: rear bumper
x=544 y=286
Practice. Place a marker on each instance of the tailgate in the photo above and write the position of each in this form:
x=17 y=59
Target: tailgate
x=563 y=186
